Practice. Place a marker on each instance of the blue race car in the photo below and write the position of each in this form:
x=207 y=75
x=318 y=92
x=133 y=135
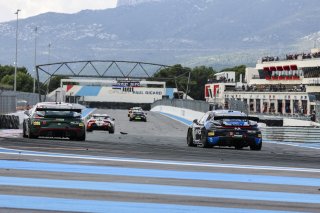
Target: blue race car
x=225 y=128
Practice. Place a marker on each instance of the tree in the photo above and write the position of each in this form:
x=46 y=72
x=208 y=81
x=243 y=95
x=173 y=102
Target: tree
x=9 y=70
x=54 y=82
x=238 y=70
x=200 y=76
x=24 y=80
x=177 y=76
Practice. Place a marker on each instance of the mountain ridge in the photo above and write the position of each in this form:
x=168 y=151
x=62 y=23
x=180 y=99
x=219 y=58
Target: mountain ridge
x=196 y=32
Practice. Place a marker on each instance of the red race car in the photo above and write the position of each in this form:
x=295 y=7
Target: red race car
x=101 y=122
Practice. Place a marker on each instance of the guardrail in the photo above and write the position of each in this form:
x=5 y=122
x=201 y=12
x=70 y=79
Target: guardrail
x=11 y=101
x=292 y=134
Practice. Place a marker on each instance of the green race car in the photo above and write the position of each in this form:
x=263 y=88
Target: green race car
x=54 y=120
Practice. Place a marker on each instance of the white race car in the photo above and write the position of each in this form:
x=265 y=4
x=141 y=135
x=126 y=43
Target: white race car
x=101 y=122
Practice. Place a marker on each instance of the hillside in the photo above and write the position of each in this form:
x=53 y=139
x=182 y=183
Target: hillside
x=217 y=33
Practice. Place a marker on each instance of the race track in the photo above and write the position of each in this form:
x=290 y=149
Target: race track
x=147 y=167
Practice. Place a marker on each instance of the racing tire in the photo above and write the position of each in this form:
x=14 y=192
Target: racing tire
x=204 y=140
x=190 y=139
x=82 y=137
x=111 y=131
x=256 y=147
x=31 y=135
x=24 y=130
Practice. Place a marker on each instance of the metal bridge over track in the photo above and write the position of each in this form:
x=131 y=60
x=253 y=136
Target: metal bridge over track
x=97 y=69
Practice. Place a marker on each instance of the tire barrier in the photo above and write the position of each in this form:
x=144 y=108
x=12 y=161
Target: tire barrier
x=9 y=122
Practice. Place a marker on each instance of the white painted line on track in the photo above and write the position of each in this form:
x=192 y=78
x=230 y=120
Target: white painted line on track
x=152 y=161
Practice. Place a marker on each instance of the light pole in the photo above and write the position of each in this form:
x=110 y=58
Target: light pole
x=35 y=58
x=49 y=49
x=16 y=62
x=188 y=85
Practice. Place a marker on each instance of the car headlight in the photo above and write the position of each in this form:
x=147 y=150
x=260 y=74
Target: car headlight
x=81 y=124
x=210 y=133
x=259 y=135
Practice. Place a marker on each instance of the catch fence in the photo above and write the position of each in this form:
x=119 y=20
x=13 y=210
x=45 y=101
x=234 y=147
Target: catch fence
x=7 y=104
x=11 y=101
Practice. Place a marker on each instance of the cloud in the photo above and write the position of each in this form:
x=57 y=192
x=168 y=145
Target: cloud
x=34 y=7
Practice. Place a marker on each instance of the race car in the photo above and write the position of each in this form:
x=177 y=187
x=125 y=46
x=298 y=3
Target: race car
x=50 y=119
x=138 y=115
x=133 y=109
x=225 y=128
x=101 y=122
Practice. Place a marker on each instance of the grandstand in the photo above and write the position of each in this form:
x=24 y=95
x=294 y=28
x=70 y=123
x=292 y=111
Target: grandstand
x=121 y=93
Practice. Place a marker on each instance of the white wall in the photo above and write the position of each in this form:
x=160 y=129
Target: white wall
x=295 y=122
x=188 y=114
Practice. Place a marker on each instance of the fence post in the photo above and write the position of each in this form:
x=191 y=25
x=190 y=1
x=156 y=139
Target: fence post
x=317 y=111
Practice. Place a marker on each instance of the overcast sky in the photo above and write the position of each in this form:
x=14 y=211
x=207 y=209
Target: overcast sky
x=34 y=7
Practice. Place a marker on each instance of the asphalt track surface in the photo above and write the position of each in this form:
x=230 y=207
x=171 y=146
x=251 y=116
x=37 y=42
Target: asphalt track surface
x=147 y=167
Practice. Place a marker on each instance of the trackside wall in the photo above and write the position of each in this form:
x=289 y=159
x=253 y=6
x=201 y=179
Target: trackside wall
x=187 y=114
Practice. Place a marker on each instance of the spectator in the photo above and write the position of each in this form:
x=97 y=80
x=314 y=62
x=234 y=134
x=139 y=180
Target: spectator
x=313 y=116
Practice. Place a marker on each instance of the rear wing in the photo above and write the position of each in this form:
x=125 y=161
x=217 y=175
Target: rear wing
x=59 y=109
x=251 y=118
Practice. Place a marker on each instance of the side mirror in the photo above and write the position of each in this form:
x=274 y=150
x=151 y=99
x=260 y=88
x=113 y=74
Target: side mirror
x=27 y=112
x=195 y=121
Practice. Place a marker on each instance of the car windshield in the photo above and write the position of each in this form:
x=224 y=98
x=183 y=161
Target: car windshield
x=101 y=117
x=138 y=112
x=58 y=114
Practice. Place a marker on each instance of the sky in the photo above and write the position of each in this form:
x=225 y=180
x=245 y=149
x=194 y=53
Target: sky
x=34 y=7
